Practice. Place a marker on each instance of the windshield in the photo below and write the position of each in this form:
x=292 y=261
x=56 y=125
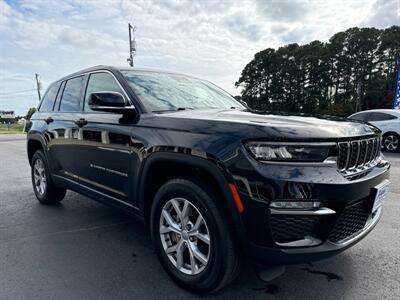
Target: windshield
x=164 y=92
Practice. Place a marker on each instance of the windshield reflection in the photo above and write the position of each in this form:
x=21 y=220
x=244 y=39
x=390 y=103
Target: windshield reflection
x=170 y=92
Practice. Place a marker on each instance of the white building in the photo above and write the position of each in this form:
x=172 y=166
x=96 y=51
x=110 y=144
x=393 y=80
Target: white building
x=7 y=114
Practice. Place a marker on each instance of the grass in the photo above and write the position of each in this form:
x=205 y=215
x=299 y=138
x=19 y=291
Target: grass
x=11 y=129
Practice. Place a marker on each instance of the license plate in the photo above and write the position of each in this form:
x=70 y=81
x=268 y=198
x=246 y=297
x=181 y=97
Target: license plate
x=381 y=192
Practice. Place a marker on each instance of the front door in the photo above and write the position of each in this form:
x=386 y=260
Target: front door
x=103 y=154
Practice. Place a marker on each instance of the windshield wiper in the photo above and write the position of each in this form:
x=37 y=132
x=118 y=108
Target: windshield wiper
x=173 y=109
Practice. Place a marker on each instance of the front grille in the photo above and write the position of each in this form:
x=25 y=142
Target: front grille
x=288 y=228
x=352 y=220
x=358 y=155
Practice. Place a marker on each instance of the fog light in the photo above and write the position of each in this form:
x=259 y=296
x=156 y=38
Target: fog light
x=295 y=204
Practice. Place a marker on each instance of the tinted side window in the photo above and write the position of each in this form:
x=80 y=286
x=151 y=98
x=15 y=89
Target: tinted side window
x=72 y=96
x=378 y=116
x=60 y=92
x=360 y=117
x=100 y=82
x=49 y=98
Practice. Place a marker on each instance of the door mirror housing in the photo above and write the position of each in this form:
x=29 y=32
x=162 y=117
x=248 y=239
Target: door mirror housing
x=112 y=102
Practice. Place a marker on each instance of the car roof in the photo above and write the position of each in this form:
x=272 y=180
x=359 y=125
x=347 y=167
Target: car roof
x=394 y=112
x=116 y=68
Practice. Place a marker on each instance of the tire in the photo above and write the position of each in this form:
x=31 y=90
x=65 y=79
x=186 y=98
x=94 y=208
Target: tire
x=45 y=190
x=391 y=142
x=219 y=263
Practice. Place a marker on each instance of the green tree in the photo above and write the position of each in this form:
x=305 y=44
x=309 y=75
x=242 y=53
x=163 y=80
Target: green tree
x=354 y=71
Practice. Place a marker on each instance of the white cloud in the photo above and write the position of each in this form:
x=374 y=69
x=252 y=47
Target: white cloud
x=209 y=38
x=384 y=13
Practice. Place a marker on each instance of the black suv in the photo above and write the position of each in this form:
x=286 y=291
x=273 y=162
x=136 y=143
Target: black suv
x=213 y=179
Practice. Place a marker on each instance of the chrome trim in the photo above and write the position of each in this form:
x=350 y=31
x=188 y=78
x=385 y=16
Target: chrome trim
x=292 y=143
x=330 y=161
x=371 y=155
x=361 y=169
x=346 y=165
x=323 y=211
x=364 y=158
x=358 y=143
x=115 y=78
x=369 y=159
x=114 y=150
x=114 y=107
x=361 y=161
x=93 y=190
x=79 y=178
x=377 y=148
x=308 y=241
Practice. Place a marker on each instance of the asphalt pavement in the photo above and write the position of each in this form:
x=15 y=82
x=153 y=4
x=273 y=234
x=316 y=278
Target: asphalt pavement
x=81 y=249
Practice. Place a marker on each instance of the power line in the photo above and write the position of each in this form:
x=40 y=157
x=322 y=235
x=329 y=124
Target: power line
x=16 y=92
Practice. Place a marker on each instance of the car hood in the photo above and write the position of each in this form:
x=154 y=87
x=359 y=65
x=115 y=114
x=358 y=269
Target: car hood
x=269 y=125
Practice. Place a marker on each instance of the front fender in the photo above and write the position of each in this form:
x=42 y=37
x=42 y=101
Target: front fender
x=199 y=160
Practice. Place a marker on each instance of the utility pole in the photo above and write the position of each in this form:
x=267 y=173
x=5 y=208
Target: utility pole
x=38 y=86
x=132 y=44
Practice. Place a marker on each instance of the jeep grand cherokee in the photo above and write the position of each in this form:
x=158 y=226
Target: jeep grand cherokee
x=213 y=180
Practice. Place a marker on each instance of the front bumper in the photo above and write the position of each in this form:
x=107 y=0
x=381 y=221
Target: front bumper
x=269 y=255
x=284 y=239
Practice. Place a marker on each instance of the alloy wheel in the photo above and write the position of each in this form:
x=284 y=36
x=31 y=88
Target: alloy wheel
x=391 y=142
x=39 y=176
x=185 y=236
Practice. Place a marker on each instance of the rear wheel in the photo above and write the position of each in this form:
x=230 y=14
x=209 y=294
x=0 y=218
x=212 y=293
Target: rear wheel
x=192 y=237
x=391 y=142
x=45 y=190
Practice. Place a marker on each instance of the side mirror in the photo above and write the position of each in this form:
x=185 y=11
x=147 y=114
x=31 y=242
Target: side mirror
x=112 y=102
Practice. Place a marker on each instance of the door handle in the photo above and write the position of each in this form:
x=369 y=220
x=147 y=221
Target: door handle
x=81 y=122
x=49 y=120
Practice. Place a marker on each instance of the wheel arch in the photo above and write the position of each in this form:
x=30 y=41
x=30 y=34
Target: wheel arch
x=161 y=167
x=34 y=143
x=390 y=132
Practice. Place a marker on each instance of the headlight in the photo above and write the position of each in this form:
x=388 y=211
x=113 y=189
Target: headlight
x=300 y=152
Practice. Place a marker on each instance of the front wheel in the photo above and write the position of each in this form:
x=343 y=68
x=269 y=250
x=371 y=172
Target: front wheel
x=192 y=237
x=391 y=142
x=45 y=190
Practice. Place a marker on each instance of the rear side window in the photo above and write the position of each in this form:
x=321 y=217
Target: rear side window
x=57 y=104
x=378 y=116
x=100 y=82
x=360 y=117
x=49 y=98
x=71 y=100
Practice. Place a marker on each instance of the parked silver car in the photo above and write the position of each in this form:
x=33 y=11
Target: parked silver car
x=388 y=121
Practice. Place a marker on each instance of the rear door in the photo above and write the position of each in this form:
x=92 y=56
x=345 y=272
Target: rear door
x=63 y=131
x=382 y=120
x=103 y=158
x=46 y=116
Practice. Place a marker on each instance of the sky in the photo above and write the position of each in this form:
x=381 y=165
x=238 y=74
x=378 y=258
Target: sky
x=209 y=39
